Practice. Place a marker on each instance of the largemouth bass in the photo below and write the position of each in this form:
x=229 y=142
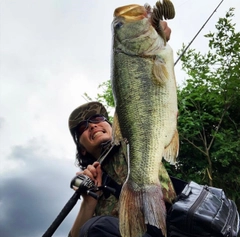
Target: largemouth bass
x=145 y=94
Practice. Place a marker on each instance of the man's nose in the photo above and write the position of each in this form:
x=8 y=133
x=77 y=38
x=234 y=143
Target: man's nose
x=92 y=125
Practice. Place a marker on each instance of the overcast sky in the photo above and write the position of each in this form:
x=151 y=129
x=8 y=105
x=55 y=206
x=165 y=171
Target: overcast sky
x=51 y=53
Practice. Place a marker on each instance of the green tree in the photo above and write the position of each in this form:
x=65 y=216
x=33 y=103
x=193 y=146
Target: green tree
x=209 y=114
x=209 y=120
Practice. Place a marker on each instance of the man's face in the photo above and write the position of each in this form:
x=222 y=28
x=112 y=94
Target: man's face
x=96 y=133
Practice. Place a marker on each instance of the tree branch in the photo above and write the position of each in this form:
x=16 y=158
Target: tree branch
x=195 y=146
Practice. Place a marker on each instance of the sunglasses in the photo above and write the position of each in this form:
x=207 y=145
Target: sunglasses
x=83 y=125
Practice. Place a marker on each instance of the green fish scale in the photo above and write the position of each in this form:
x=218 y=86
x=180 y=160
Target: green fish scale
x=137 y=99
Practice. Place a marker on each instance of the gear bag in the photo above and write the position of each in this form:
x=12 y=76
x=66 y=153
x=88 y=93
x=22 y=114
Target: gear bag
x=202 y=211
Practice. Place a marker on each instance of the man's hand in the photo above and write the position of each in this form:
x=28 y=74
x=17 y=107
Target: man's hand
x=94 y=172
x=88 y=203
x=166 y=29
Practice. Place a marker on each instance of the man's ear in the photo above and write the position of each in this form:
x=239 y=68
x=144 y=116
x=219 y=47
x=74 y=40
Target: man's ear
x=83 y=151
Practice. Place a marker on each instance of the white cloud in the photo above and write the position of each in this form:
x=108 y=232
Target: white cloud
x=35 y=191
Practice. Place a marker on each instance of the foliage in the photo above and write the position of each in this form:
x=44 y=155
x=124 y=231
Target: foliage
x=106 y=98
x=209 y=120
x=107 y=95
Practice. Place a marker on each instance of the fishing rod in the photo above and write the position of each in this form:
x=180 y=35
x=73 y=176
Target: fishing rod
x=198 y=33
x=85 y=185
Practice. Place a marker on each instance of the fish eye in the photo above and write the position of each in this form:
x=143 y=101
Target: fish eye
x=118 y=25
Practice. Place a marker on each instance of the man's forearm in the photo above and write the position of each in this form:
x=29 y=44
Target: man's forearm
x=85 y=213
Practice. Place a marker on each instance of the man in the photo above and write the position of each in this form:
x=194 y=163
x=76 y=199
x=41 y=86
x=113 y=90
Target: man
x=92 y=134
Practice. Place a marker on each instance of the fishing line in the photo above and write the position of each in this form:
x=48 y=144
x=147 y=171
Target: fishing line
x=197 y=33
x=178 y=6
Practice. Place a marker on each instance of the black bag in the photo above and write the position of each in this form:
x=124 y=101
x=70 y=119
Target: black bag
x=202 y=211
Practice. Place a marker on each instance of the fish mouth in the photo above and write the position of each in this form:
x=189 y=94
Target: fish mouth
x=131 y=12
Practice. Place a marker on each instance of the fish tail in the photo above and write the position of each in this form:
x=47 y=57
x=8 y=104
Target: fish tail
x=139 y=207
x=154 y=207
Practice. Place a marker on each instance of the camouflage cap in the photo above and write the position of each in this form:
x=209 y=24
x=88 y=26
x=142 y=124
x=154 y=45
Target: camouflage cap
x=83 y=112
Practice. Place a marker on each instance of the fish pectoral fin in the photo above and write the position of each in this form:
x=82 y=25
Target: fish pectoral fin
x=116 y=131
x=171 y=151
x=160 y=71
